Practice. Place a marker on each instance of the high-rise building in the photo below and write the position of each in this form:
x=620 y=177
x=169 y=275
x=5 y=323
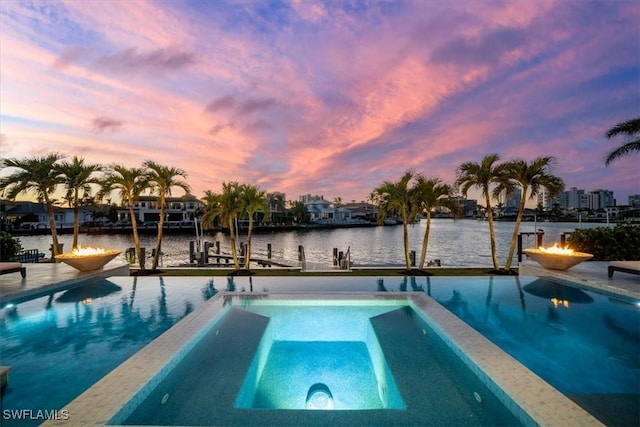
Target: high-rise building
x=513 y=201
x=634 y=201
x=544 y=200
x=600 y=199
x=575 y=198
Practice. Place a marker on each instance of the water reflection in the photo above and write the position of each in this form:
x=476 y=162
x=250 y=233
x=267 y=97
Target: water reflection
x=558 y=294
x=209 y=290
x=90 y=320
x=231 y=286
x=523 y=305
x=67 y=343
x=88 y=292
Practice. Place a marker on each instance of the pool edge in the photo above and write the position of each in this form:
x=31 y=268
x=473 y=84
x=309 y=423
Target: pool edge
x=531 y=399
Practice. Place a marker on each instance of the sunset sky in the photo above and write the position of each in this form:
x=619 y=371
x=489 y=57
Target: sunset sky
x=327 y=97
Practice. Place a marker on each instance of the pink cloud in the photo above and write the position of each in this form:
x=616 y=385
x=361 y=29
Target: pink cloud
x=321 y=98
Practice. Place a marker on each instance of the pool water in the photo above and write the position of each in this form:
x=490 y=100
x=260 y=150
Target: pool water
x=585 y=344
x=60 y=344
x=333 y=348
x=267 y=363
x=586 y=347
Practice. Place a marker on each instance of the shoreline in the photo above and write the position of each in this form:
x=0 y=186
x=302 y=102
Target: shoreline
x=266 y=228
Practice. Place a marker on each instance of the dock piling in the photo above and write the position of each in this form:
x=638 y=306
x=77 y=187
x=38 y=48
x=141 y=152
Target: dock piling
x=538 y=235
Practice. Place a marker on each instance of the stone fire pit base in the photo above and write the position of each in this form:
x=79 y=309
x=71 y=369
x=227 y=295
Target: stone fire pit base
x=88 y=262
x=557 y=261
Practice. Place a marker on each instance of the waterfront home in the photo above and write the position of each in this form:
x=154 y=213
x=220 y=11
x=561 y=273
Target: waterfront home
x=362 y=211
x=179 y=210
x=34 y=215
x=324 y=212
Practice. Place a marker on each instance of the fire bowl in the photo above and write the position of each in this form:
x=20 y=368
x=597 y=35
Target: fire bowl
x=88 y=262
x=557 y=261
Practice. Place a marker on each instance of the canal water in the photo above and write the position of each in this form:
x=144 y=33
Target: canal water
x=462 y=243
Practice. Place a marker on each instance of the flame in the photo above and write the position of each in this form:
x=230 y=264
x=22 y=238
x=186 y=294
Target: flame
x=555 y=249
x=80 y=251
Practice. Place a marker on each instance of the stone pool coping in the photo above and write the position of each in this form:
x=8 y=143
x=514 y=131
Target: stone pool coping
x=531 y=399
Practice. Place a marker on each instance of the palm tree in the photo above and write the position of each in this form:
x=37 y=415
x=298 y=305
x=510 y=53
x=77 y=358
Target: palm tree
x=482 y=176
x=161 y=180
x=77 y=177
x=129 y=183
x=631 y=128
x=398 y=197
x=430 y=194
x=253 y=199
x=299 y=213
x=531 y=178
x=226 y=207
x=37 y=175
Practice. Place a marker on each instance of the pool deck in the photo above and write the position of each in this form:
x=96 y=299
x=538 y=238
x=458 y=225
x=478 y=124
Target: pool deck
x=47 y=277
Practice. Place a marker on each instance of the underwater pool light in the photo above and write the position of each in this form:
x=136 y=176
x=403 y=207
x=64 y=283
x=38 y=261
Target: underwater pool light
x=319 y=397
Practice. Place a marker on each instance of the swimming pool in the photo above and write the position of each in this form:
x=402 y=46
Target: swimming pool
x=584 y=343
x=553 y=334
x=373 y=362
x=58 y=345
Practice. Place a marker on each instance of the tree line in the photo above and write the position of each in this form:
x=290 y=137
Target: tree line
x=411 y=195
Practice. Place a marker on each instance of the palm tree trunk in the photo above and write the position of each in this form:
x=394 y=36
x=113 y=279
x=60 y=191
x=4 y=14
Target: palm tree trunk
x=159 y=238
x=52 y=225
x=136 y=238
x=516 y=229
x=76 y=221
x=232 y=238
x=405 y=231
x=425 y=241
x=247 y=249
x=492 y=235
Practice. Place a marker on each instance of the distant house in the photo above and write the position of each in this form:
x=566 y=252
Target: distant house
x=179 y=210
x=34 y=215
x=362 y=211
x=324 y=212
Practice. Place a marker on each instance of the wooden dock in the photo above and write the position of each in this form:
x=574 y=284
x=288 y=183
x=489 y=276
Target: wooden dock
x=221 y=260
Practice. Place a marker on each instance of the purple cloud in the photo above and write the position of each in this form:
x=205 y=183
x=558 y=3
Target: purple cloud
x=486 y=49
x=69 y=56
x=158 y=60
x=239 y=107
x=129 y=60
x=226 y=102
x=105 y=124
